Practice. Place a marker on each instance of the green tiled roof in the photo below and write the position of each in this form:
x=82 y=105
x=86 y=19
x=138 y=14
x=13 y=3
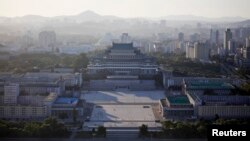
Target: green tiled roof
x=209 y=85
x=178 y=99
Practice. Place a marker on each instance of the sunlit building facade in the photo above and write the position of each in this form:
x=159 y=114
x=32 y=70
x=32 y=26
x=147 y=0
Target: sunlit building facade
x=123 y=59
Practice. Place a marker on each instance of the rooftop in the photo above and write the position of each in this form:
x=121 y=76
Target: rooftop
x=209 y=85
x=51 y=97
x=122 y=46
x=180 y=99
x=122 y=77
x=66 y=100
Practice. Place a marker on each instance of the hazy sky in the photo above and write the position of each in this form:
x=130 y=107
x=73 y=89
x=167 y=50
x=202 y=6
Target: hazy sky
x=127 y=8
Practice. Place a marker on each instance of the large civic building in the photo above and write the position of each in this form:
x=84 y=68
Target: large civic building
x=122 y=66
x=37 y=95
x=205 y=98
x=123 y=59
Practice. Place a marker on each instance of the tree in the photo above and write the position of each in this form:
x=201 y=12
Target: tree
x=245 y=88
x=48 y=128
x=168 y=125
x=101 y=130
x=216 y=117
x=81 y=61
x=74 y=115
x=32 y=128
x=143 y=130
x=63 y=116
x=3 y=130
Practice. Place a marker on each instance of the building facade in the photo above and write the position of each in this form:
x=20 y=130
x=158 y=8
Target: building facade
x=123 y=59
x=27 y=107
x=227 y=36
x=11 y=92
x=176 y=107
x=204 y=98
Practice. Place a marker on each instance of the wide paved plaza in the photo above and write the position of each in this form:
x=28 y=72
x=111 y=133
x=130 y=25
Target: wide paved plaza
x=123 y=96
x=121 y=109
x=122 y=113
x=122 y=116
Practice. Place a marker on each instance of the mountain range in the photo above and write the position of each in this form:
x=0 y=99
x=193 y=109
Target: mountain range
x=92 y=16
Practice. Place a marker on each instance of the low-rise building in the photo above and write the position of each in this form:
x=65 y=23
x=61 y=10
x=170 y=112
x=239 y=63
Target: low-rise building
x=67 y=107
x=212 y=99
x=28 y=107
x=176 y=107
x=205 y=98
x=34 y=83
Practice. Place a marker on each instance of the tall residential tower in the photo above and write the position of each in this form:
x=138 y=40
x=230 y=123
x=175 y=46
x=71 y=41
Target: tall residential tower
x=227 y=37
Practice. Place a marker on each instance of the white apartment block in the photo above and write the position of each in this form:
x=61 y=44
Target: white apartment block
x=11 y=92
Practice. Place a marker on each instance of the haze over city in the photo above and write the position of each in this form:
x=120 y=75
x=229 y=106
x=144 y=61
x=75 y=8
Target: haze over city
x=128 y=8
x=124 y=70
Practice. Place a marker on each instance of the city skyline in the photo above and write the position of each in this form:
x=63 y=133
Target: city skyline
x=128 y=8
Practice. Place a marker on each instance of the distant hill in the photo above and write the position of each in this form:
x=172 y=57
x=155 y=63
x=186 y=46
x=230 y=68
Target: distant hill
x=94 y=24
x=200 y=18
x=90 y=16
x=245 y=23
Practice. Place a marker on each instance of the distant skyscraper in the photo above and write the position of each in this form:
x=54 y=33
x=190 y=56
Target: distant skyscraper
x=211 y=36
x=232 y=45
x=227 y=36
x=217 y=36
x=125 y=38
x=195 y=37
x=181 y=37
x=190 y=51
x=201 y=51
x=47 y=39
x=214 y=36
x=246 y=53
x=246 y=50
x=248 y=41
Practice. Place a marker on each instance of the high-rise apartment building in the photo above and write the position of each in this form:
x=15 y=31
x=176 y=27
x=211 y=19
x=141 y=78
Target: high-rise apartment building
x=214 y=36
x=181 y=37
x=47 y=39
x=227 y=36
